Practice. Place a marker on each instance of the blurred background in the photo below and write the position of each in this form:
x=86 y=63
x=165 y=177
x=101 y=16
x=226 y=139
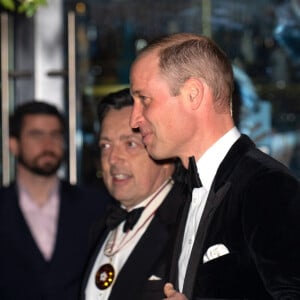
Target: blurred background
x=72 y=53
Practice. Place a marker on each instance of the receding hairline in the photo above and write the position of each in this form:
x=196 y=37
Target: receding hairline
x=163 y=43
x=168 y=48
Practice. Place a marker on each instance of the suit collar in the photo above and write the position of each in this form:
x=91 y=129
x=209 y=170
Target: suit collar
x=210 y=161
x=236 y=152
x=169 y=208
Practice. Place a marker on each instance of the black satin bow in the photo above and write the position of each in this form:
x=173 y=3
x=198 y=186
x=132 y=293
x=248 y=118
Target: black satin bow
x=190 y=176
x=118 y=215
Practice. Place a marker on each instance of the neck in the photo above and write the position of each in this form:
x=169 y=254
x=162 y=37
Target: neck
x=150 y=198
x=38 y=187
x=201 y=144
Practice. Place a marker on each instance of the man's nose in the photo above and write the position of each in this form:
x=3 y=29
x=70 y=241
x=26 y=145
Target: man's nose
x=136 y=116
x=115 y=155
x=50 y=139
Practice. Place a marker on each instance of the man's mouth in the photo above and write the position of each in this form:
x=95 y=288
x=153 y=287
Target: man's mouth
x=146 y=137
x=120 y=176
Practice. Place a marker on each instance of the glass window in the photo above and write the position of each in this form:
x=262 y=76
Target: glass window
x=262 y=39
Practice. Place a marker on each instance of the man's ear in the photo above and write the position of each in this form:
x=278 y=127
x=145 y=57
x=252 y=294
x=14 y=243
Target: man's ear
x=194 y=90
x=14 y=146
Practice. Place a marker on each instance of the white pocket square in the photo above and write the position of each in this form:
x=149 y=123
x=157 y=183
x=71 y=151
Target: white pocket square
x=214 y=252
x=154 y=277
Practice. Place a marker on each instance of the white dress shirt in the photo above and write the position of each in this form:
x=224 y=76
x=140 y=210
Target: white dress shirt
x=132 y=236
x=207 y=167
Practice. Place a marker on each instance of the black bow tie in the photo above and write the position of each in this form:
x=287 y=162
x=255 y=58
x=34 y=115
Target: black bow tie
x=118 y=215
x=189 y=176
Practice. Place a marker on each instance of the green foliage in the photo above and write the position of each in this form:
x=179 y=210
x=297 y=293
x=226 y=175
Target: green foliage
x=27 y=7
x=8 y=4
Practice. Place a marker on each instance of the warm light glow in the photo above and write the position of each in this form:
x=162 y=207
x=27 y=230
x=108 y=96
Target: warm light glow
x=80 y=8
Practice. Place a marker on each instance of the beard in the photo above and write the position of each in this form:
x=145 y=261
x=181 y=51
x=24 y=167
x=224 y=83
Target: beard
x=46 y=169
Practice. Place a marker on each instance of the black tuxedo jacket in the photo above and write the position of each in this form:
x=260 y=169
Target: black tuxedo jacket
x=24 y=273
x=149 y=257
x=253 y=209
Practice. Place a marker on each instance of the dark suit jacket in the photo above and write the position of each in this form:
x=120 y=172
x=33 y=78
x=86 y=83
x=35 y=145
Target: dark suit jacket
x=150 y=256
x=24 y=273
x=253 y=209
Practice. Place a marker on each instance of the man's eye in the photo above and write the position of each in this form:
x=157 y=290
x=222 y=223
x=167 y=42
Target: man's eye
x=36 y=134
x=143 y=98
x=103 y=146
x=132 y=144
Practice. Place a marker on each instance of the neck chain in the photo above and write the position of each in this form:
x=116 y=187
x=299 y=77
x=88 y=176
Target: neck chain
x=105 y=275
x=111 y=248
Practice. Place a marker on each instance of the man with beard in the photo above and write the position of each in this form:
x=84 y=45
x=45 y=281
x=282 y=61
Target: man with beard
x=44 y=221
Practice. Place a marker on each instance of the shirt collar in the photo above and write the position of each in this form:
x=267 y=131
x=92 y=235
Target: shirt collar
x=209 y=162
x=28 y=204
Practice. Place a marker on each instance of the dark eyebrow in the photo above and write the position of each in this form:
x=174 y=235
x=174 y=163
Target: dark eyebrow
x=104 y=138
x=130 y=136
x=44 y=131
x=134 y=134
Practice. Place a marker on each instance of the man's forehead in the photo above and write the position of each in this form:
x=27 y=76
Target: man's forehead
x=39 y=117
x=150 y=57
x=40 y=121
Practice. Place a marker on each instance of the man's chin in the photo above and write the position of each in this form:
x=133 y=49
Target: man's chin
x=154 y=153
x=40 y=168
x=46 y=170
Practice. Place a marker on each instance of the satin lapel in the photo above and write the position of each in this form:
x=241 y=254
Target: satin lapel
x=151 y=246
x=97 y=236
x=173 y=278
x=140 y=263
x=213 y=201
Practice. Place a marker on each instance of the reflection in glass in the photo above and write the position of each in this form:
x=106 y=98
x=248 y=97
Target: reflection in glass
x=109 y=34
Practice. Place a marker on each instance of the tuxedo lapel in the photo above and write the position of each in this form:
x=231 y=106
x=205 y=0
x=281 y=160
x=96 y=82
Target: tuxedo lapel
x=231 y=160
x=140 y=263
x=213 y=202
x=152 y=245
x=178 y=243
x=219 y=188
x=91 y=260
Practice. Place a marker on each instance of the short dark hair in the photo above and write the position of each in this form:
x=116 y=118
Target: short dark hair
x=32 y=108
x=115 y=100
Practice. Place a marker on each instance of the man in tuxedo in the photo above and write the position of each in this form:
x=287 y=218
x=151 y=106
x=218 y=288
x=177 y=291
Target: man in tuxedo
x=131 y=245
x=239 y=234
x=44 y=220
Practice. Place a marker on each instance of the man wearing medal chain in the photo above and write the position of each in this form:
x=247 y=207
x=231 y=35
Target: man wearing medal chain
x=130 y=261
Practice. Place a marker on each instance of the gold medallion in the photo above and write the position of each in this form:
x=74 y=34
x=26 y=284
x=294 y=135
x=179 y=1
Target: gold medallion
x=105 y=276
